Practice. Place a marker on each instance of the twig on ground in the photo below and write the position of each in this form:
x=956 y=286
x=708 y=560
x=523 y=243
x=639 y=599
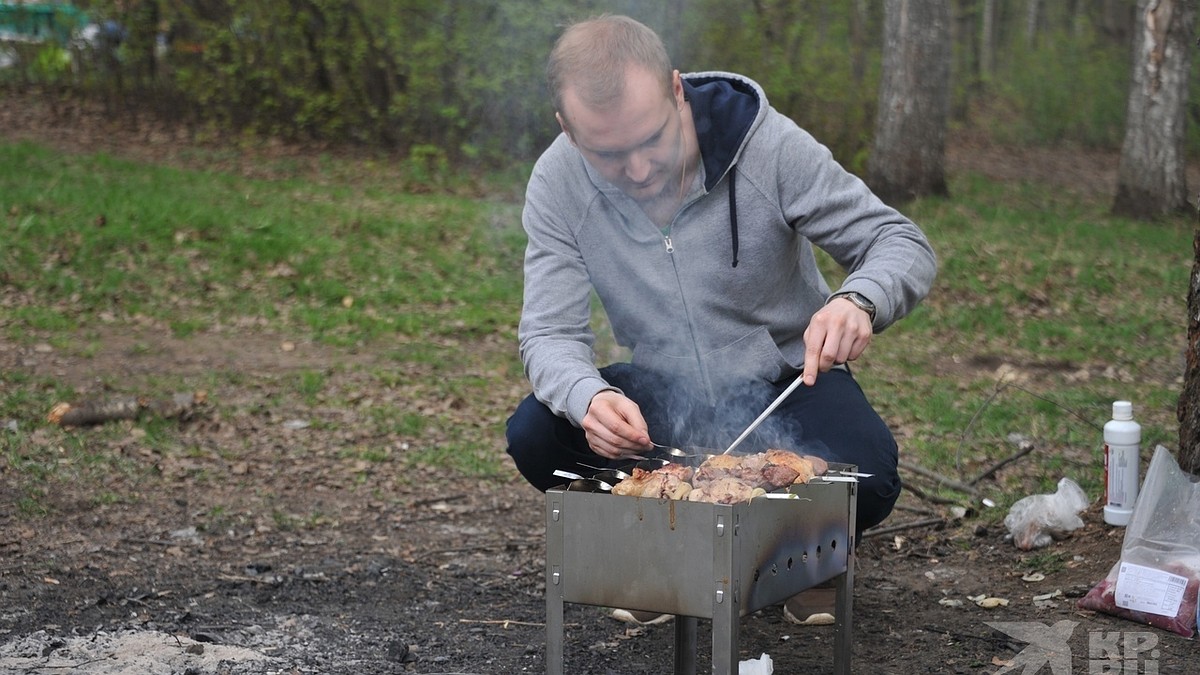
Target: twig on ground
x=511 y=622
x=454 y=549
x=940 y=479
x=899 y=527
x=915 y=509
x=434 y=500
x=181 y=405
x=471 y=549
x=933 y=499
x=149 y=542
x=1026 y=447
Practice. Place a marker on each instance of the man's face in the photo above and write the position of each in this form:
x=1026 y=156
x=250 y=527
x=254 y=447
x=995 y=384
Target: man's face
x=634 y=143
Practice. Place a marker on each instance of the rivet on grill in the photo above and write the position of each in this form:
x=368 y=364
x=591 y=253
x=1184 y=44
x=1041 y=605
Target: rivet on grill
x=720 y=596
x=556 y=514
x=720 y=526
x=556 y=576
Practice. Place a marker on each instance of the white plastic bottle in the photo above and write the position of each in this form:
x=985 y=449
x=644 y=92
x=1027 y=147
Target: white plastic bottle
x=1122 y=438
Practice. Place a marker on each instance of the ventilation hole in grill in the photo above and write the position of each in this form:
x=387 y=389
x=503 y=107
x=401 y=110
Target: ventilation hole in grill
x=818 y=551
x=789 y=563
x=833 y=544
x=756 y=575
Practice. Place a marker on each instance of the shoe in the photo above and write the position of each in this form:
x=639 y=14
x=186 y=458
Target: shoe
x=640 y=618
x=814 y=607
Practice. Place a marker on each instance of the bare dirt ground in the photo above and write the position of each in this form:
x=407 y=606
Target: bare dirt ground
x=266 y=550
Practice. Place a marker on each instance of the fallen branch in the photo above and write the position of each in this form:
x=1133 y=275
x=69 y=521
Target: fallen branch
x=940 y=479
x=915 y=509
x=435 y=500
x=1025 y=448
x=510 y=622
x=267 y=579
x=472 y=549
x=926 y=522
x=180 y=405
x=933 y=499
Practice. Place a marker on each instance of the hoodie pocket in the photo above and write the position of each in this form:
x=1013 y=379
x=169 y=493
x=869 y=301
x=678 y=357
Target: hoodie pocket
x=754 y=356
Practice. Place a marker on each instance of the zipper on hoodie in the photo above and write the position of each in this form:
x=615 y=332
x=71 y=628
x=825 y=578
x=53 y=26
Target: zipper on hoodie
x=666 y=234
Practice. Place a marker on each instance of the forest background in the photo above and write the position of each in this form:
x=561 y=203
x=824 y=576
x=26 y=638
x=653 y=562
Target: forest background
x=459 y=85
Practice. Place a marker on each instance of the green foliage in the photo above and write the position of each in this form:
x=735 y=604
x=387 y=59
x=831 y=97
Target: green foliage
x=1062 y=90
x=815 y=61
x=466 y=77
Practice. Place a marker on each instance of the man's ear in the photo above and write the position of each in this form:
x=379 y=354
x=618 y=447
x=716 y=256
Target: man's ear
x=563 y=125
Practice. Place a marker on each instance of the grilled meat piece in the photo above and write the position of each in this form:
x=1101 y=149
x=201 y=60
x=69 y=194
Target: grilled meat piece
x=654 y=484
x=724 y=479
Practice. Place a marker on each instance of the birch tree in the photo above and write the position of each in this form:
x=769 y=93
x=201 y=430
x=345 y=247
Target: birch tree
x=908 y=157
x=1152 y=175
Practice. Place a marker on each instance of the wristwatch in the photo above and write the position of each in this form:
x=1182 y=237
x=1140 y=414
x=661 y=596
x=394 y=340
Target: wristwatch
x=859 y=301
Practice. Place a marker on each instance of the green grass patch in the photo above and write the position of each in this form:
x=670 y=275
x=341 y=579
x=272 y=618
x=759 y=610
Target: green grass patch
x=94 y=236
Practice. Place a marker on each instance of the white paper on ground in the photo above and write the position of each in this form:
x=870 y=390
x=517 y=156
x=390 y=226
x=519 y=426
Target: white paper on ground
x=760 y=666
x=1145 y=589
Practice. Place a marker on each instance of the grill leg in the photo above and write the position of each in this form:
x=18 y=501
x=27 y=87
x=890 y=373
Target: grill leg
x=685 y=645
x=725 y=628
x=554 y=582
x=843 y=636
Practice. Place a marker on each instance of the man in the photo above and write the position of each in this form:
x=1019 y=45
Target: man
x=691 y=207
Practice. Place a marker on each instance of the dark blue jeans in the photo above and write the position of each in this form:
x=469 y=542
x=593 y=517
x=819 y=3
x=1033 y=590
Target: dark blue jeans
x=832 y=419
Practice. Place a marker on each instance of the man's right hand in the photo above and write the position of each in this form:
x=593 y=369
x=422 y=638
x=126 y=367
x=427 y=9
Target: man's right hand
x=614 y=426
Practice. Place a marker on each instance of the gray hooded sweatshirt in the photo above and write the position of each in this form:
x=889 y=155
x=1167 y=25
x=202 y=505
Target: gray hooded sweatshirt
x=725 y=293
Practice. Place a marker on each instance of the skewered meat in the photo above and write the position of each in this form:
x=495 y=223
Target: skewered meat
x=724 y=479
x=727 y=490
x=801 y=465
x=655 y=484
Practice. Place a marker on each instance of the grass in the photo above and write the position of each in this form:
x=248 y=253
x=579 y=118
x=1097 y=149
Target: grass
x=1046 y=309
x=98 y=236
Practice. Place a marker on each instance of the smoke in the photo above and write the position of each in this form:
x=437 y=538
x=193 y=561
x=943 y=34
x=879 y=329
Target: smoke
x=679 y=413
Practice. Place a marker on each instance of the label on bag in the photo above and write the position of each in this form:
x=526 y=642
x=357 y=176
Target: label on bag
x=1145 y=589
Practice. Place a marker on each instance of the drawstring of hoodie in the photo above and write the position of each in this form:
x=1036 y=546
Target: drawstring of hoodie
x=733 y=214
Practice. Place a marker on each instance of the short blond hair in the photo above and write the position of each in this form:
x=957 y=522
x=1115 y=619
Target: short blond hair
x=592 y=56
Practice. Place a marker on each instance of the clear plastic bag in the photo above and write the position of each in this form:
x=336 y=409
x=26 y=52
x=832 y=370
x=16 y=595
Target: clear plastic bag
x=1036 y=520
x=1157 y=579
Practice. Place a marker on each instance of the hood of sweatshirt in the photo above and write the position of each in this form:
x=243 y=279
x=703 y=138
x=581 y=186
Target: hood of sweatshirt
x=724 y=110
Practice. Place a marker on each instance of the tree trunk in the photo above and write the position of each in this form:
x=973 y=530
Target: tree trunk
x=1152 y=176
x=1033 y=12
x=987 y=41
x=1188 y=411
x=858 y=41
x=908 y=157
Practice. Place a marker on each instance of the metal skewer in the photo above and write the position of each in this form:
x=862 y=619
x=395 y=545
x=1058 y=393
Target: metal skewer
x=771 y=408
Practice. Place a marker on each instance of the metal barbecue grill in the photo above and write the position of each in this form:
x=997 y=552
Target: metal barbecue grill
x=699 y=560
